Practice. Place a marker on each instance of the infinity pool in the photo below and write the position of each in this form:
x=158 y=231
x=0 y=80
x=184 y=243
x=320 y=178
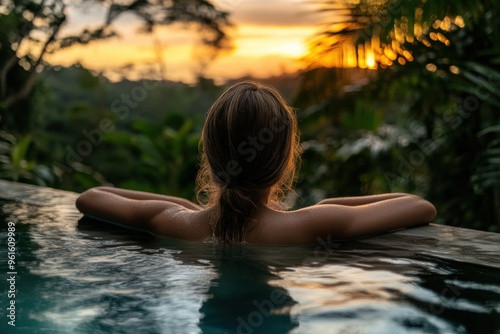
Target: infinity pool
x=80 y=276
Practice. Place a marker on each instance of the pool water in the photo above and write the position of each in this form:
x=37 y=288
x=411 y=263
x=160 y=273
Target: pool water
x=81 y=276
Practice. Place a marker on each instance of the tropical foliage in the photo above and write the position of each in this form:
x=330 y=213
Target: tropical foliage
x=15 y=164
x=434 y=75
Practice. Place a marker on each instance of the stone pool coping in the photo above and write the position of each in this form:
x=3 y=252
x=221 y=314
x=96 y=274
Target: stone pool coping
x=440 y=241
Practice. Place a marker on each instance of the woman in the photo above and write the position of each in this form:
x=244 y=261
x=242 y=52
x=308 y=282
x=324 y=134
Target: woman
x=249 y=150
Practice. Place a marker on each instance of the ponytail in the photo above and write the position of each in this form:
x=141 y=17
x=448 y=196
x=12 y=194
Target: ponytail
x=236 y=209
x=249 y=149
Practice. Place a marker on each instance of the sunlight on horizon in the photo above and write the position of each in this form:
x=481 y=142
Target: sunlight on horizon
x=257 y=50
x=268 y=38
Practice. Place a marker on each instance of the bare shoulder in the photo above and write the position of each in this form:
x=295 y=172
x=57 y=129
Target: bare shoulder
x=356 y=218
x=298 y=227
x=177 y=221
x=158 y=214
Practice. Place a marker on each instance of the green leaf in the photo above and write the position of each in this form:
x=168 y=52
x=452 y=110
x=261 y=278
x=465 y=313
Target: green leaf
x=121 y=138
x=495 y=128
x=19 y=152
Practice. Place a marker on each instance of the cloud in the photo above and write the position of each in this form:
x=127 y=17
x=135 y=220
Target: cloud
x=274 y=13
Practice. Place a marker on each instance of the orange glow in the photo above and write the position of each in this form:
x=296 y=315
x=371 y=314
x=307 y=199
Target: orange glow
x=446 y=24
x=389 y=53
x=407 y=54
x=459 y=21
x=349 y=57
x=258 y=50
x=370 y=59
x=375 y=52
x=454 y=69
x=361 y=57
x=114 y=54
x=431 y=67
x=269 y=40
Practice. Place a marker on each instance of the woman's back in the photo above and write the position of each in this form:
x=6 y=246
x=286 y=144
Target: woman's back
x=250 y=148
x=341 y=218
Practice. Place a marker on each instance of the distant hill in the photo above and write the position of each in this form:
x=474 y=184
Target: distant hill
x=287 y=84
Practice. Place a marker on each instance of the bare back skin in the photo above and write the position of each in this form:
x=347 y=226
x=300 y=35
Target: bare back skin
x=339 y=218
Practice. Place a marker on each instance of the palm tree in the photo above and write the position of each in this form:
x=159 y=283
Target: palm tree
x=436 y=65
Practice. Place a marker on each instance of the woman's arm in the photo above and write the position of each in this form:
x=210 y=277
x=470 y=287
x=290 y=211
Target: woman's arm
x=141 y=195
x=361 y=200
x=358 y=220
x=138 y=211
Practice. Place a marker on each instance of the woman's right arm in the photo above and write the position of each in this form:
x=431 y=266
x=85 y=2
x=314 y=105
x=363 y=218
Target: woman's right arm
x=142 y=195
x=141 y=211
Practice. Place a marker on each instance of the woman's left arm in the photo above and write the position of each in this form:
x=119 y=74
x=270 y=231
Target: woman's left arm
x=354 y=221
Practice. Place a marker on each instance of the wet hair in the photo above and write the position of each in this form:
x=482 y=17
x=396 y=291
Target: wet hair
x=249 y=151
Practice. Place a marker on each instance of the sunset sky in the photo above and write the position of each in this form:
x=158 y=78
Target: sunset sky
x=269 y=37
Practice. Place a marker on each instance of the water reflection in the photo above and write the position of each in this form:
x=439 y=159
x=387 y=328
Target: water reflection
x=233 y=284
x=242 y=298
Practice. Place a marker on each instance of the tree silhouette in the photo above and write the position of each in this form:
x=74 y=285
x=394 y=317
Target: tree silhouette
x=37 y=25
